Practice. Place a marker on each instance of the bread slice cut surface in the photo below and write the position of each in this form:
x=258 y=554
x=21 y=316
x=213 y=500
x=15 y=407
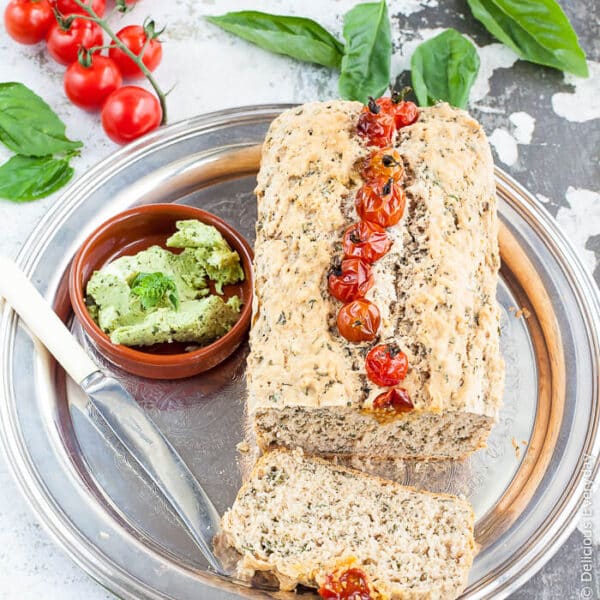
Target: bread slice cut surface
x=307 y=521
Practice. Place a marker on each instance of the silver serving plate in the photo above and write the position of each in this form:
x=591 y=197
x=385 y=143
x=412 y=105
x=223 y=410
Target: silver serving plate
x=526 y=487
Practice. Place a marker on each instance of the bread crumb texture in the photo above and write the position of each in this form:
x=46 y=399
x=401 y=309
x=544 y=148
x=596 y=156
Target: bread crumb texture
x=303 y=518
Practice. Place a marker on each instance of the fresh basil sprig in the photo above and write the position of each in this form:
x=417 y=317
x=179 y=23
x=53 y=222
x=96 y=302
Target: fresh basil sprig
x=444 y=68
x=152 y=288
x=368 y=52
x=26 y=178
x=539 y=32
x=300 y=38
x=28 y=125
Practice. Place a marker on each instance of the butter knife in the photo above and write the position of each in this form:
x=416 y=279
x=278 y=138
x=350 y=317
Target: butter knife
x=127 y=420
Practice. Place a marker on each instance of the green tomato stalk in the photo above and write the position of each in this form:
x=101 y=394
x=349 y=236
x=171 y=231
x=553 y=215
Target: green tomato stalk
x=93 y=16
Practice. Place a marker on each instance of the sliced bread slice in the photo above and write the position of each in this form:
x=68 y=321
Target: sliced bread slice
x=307 y=521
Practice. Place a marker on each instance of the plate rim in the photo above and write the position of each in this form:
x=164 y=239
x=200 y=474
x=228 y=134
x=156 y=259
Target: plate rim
x=50 y=515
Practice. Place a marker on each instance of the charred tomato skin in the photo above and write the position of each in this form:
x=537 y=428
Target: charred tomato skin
x=367 y=241
x=386 y=163
x=381 y=202
x=359 y=321
x=352 y=584
x=351 y=280
x=406 y=113
x=394 y=400
x=386 y=365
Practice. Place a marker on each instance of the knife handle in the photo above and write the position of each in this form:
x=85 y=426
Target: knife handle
x=43 y=322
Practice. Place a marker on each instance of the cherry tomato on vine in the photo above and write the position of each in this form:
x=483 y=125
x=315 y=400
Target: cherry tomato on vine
x=377 y=123
x=129 y=113
x=383 y=163
x=136 y=38
x=27 y=21
x=63 y=44
x=350 y=585
x=89 y=85
x=365 y=240
x=396 y=400
x=380 y=201
x=351 y=280
x=358 y=321
x=70 y=7
x=386 y=365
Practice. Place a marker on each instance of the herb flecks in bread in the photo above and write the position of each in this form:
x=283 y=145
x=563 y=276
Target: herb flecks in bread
x=303 y=519
x=435 y=289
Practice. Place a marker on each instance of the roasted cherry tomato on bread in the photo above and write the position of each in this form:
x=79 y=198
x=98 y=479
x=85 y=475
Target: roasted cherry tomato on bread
x=386 y=365
x=358 y=321
x=376 y=124
x=129 y=113
x=70 y=7
x=367 y=241
x=137 y=38
x=351 y=280
x=28 y=21
x=63 y=43
x=395 y=400
x=89 y=85
x=385 y=163
x=380 y=201
x=350 y=585
x=406 y=113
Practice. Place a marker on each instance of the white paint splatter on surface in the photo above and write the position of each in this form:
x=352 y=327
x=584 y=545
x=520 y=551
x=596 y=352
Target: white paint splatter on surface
x=505 y=146
x=491 y=57
x=506 y=142
x=524 y=124
x=580 y=221
x=401 y=58
x=584 y=103
x=408 y=7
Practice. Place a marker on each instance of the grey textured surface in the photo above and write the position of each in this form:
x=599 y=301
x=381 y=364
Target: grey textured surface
x=560 y=163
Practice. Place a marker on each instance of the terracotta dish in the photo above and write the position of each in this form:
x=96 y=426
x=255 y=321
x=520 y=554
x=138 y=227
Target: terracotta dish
x=128 y=233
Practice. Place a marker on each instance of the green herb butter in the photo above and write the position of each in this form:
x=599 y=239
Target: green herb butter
x=159 y=296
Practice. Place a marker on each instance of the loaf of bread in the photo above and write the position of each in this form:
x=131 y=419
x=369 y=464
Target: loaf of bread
x=435 y=289
x=307 y=521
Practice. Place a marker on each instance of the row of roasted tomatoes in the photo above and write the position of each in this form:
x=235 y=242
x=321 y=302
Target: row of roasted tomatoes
x=93 y=81
x=379 y=203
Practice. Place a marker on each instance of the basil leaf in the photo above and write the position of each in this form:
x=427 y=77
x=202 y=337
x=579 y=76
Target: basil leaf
x=444 y=68
x=368 y=52
x=152 y=288
x=538 y=31
x=25 y=178
x=28 y=125
x=300 y=38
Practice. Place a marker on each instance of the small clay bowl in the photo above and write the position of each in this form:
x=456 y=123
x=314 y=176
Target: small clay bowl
x=128 y=233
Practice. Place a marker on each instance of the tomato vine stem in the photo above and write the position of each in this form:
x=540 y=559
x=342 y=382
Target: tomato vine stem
x=93 y=16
